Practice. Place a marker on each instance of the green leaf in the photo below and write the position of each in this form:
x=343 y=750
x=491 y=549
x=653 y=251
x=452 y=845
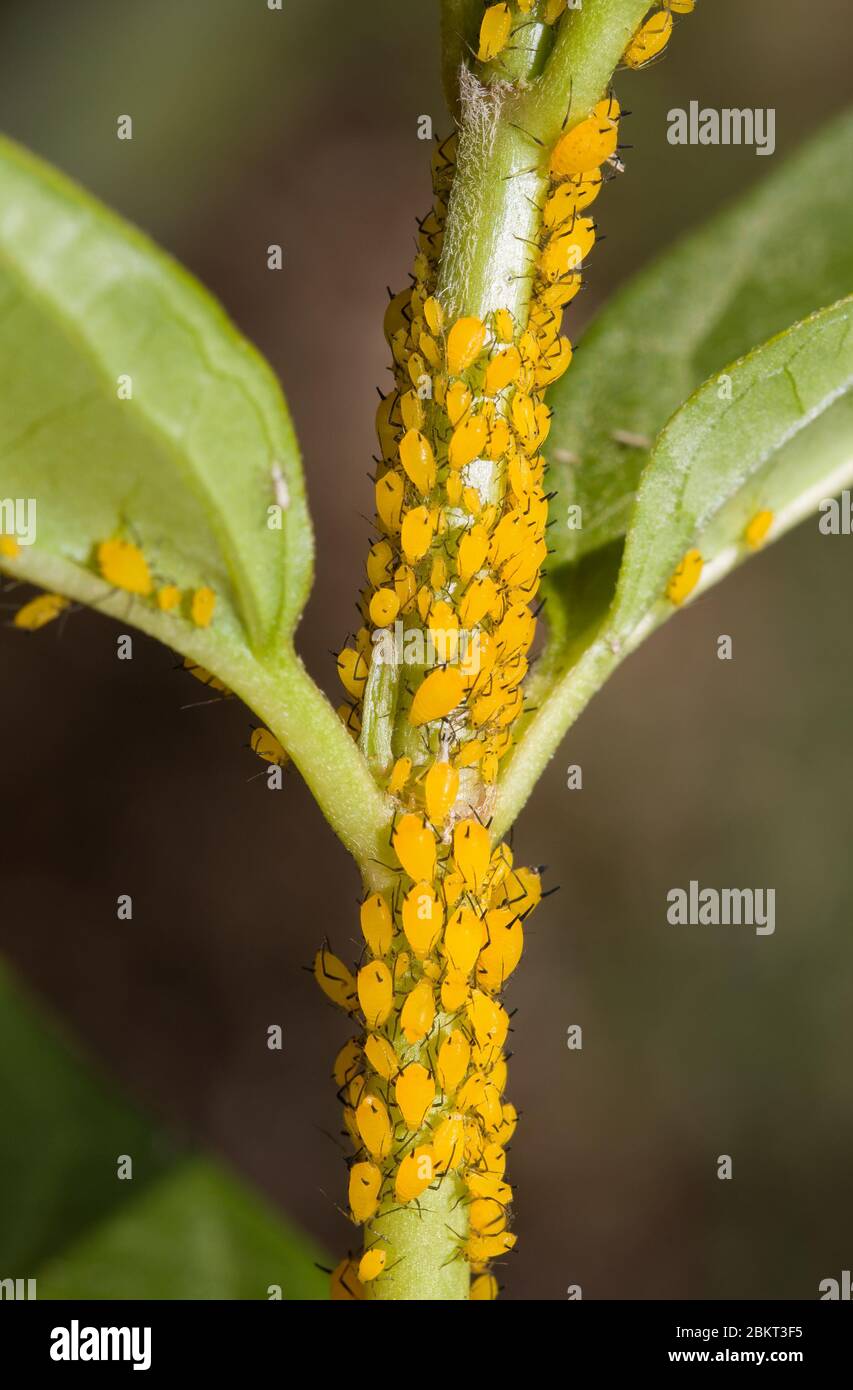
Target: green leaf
x=187 y=467
x=182 y=1227
x=88 y=307
x=775 y=434
x=717 y=464
x=781 y=252
x=196 y=1234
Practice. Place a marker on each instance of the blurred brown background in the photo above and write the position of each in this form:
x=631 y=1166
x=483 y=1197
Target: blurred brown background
x=300 y=127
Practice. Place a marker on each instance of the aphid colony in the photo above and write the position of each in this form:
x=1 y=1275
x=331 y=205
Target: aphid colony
x=422 y=1084
x=461 y=514
x=123 y=565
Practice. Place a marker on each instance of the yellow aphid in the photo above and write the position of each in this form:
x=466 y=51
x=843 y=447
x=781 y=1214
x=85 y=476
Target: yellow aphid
x=267 y=746
x=414 y=1091
x=471 y=500
x=9 y=548
x=502 y=371
x=416 y=533
x=522 y=890
x=465 y=342
x=440 y=788
x=412 y=411
x=438 y=694
x=471 y=850
x=380 y=560
x=553 y=10
x=335 y=980
x=448 y=1143
x=122 y=564
x=480 y=1250
x=588 y=145
x=371 y=1265
x=650 y=39
x=454 y=1057
x=365 y=1180
x=489 y=1184
x=467 y=441
x=348 y=1063
x=756 y=531
x=455 y=991
x=501 y=954
x=494 y=32
x=571 y=197
x=685 y=577
x=414 y=846
x=453 y=487
x=423 y=918
x=376 y=924
x=430 y=350
x=402 y=962
x=418 y=1012
x=40 y=611
x=202 y=604
x=506 y=1129
x=463 y=939
x=485 y=1286
x=457 y=402
x=555 y=362
x=434 y=314
x=400 y=774
x=375 y=992
x=487 y=1216
x=381 y=1056
x=567 y=249
x=390 y=490
x=472 y=552
x=480 y=1095
x=679 y=6
x=418 y=460
x=353 y=1091
x=414 y=1174
x=168 y=598
x=344 y=1283
x=489 y=1019
x=424 y=602
x=416 y=367
x=498 y=442
x=405 y=585
x=438 y=573
x=352 y=672
x=384 y=607
x=476 y=601
x=504 y=326
x=470 y=753
x=374 y=1126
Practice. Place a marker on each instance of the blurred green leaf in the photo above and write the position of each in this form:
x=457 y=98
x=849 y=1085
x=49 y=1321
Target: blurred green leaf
x=185 y=467
x=196 y=1234
x=773 y=434
x=781 y=252
x=182 y=1227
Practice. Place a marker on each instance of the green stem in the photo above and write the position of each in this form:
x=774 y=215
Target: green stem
x=422 y=1243
x=589 y=45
